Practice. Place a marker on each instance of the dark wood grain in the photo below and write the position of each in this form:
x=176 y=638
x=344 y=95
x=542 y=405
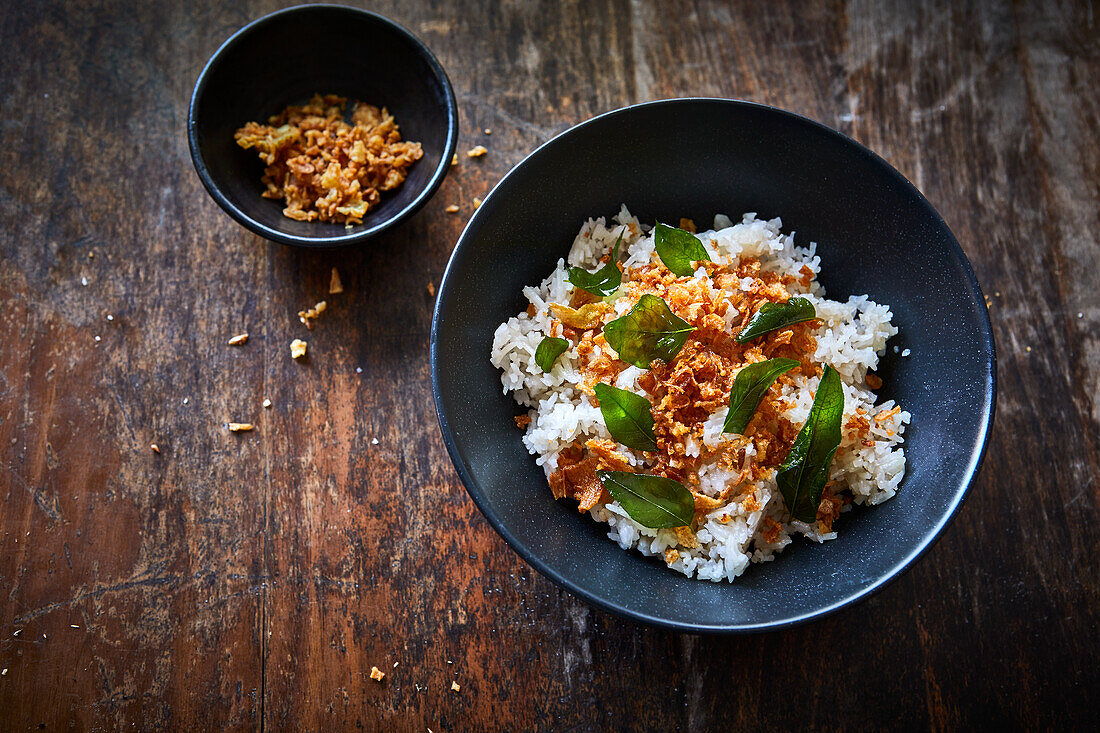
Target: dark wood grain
x=250 y=581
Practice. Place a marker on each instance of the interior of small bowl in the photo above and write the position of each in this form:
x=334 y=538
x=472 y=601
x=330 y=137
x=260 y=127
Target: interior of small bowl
x=696 y=158
x=287 y=57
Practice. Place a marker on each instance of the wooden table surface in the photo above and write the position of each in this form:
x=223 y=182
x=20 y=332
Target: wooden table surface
x=251 y=580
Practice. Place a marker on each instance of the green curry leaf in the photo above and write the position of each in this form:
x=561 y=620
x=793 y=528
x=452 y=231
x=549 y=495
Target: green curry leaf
x=649 y=331
x=602 y=282
x=749 y=388
x=806 y=468
x=548 y=351
x=774 y=316
x=627 y=416
x=678 y=248
x=651 y=501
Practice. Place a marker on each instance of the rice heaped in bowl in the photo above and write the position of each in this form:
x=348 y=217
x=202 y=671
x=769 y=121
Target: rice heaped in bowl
x=739 y=513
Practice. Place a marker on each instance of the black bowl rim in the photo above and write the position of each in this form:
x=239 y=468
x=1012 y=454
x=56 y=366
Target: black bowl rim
x=341 y=239
x=474 y=490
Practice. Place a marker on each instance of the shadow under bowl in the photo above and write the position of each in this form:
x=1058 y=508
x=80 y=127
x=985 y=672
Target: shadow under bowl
x=876 y=234
x=287 y=57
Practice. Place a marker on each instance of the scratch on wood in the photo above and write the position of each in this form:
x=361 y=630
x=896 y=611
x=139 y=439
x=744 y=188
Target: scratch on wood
x=49 y=506
x=542 y=133
x=168 y=581
x=639 y=29
x=125 y=416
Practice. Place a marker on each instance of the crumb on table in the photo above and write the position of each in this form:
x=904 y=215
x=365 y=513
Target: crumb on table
x=239 y=340
x=376 y=674
x=297 y=348
x=239 y=427
x=334 y=284
x=477 y=151
x=308 y=316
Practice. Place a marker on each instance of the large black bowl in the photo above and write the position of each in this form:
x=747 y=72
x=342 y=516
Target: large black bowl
x=285 y=58
x=876 y=234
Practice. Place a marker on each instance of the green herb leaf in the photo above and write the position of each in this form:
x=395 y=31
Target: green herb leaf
x=548 y=352
x=749 y=388
x=649 y=331
x=806 y=468
x=774 y=316
x=602 y=282
x=678 y=249
x=651 y=501
x=627 y=416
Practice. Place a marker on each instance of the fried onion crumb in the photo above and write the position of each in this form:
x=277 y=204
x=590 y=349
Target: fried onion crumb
x=324 y=168
x=308 y=316
x=455 y=686
x=477 y=152
x=334 y=284
x=239 y=340
x=297 y=349
x=239 y=427
x=376 y=674
x=452 y=209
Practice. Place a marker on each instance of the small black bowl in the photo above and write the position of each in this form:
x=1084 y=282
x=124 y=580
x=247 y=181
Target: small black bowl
x=287 y=57
x=694 y=158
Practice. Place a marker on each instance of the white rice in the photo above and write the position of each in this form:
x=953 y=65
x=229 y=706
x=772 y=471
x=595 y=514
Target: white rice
x=851 y=338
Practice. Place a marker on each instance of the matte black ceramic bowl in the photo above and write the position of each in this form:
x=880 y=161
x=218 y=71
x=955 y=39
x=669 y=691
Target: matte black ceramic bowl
x=876 y=234
x=287 y=57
